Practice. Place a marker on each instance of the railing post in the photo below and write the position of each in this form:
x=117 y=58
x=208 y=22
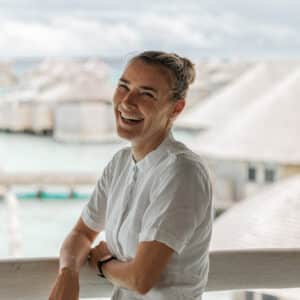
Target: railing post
x=15 y=242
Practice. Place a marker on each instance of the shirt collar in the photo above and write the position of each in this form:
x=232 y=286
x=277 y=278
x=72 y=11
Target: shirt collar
x=153 y=157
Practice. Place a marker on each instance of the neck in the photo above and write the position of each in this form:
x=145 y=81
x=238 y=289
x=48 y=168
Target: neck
x=142 y=148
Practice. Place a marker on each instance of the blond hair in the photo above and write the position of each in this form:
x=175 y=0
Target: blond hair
x=182 y=70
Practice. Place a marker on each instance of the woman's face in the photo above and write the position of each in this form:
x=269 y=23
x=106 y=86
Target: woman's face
x=142 y=104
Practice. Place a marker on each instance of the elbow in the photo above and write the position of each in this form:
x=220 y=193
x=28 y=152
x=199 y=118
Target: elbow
x=143 y=289
x=143 y=285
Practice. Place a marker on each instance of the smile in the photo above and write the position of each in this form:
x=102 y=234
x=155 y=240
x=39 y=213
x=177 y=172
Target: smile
x=130 y=119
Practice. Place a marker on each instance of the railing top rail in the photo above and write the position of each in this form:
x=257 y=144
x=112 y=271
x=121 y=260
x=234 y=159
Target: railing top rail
x=67 y=178
x=229 y=270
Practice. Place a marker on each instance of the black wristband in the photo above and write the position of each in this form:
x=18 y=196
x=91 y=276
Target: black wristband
x=100 y=263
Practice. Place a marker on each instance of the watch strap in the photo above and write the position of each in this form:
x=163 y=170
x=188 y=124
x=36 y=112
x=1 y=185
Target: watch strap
x=100 y=263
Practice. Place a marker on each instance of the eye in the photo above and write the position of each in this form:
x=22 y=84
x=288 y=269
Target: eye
x=148 y=94
x=123 y=86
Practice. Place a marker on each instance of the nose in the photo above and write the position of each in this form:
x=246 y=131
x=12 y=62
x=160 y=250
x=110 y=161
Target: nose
x=130 y=98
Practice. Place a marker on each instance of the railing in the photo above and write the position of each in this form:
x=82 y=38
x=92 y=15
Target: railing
x=229 y=270
x=47 y=178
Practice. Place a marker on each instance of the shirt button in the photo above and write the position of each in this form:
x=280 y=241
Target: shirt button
x=134 y=173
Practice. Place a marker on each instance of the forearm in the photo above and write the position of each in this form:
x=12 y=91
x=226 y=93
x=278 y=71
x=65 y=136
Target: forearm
x=74 y=251
x=120 y=273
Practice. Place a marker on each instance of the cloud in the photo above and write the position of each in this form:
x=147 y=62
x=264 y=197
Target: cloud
x=120 y=32
x=65 y=36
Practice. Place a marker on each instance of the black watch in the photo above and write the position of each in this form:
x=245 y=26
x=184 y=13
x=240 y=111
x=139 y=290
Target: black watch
x=103 y=261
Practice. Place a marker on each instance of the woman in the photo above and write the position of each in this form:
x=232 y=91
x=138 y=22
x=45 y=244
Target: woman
x=153 y=199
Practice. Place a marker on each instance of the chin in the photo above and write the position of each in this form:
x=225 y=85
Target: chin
x=124 y=134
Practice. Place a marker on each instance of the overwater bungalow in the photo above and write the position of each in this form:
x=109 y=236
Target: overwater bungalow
x=16 y=110
x=260 y=146
x=221 y=107
x=84 y=121
x=268 y=220
x=47 y=86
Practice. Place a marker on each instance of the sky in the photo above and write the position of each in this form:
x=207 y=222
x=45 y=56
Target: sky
x=207 y=28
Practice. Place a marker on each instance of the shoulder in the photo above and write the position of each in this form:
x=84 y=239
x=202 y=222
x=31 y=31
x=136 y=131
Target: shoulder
x=120 y=157
x=183 y=160
x=117 y=162
x=182 y=164
x=123 y=153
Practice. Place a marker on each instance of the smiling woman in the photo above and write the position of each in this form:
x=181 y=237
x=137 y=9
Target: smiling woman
x=153 y=200
x=150 y=95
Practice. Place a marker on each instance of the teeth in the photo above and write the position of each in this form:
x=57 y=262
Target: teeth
x=131 y=118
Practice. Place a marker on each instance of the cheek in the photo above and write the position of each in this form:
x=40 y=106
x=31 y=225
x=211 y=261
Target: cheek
x=117 y=97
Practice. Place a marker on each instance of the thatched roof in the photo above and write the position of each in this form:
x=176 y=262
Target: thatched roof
x=267 y=131
x=222 y=107
x=268 y=220
x=60 y=80
x=83 y=89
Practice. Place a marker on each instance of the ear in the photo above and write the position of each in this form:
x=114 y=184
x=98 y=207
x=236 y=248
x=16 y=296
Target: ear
x=177 y=108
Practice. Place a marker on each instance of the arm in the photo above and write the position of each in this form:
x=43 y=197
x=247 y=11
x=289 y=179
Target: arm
x=76 y=246
x=73 y=253
x=141 y=273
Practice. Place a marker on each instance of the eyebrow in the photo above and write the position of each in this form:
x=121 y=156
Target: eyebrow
x=144 y=87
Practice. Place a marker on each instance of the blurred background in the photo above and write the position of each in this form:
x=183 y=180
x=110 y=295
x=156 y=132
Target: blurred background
x=59 y=63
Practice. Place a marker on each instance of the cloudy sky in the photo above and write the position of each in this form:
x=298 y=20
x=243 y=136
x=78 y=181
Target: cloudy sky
x=223 y=28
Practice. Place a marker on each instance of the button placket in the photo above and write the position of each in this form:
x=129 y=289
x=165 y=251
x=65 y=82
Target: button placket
x=129 y=199
x=133 y=180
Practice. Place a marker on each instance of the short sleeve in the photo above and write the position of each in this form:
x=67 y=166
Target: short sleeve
x=93 y=213
x=178 y=203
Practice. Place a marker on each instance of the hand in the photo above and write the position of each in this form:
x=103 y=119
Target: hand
x=98 y=253
x=66 y=286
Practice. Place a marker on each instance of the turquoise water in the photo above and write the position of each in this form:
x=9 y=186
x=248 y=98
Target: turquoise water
x=23 y=152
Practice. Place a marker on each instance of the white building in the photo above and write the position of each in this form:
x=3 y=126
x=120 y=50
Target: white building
x=260 y=146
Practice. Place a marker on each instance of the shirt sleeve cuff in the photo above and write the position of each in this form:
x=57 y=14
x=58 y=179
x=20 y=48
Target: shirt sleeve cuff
x=88 y=221
x=154 y=234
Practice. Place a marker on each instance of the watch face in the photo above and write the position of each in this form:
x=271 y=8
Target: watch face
x=105 y=257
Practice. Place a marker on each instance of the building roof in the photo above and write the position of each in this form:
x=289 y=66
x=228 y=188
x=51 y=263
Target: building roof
x=60 y=80
x=81 y=89
x=268 y=130
x=270 y=219
x=218 y=109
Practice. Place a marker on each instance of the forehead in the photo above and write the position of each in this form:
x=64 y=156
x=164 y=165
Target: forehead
x=141 y=73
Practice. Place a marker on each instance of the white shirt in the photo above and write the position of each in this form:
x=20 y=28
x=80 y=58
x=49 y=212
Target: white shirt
x=164 y=197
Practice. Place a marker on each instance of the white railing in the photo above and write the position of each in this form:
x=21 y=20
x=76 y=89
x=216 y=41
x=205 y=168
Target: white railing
x=229 y=270
x=47 y=178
